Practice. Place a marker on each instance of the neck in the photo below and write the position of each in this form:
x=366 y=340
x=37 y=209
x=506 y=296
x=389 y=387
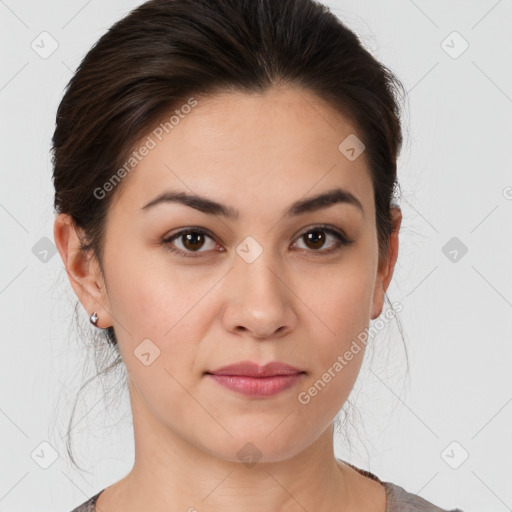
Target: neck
x=172 y=473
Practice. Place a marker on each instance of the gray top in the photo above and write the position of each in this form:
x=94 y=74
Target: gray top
x=398 y=499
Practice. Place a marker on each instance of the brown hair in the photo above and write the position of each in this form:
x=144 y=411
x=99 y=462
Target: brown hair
x=166 y=51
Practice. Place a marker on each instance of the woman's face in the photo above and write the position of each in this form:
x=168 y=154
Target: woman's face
x=265 y=279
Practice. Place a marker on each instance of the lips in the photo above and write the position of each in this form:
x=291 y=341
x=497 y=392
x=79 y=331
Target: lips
x=250 y=369
x=250 y=379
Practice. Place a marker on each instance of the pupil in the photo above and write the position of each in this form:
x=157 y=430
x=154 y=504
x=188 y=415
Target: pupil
x=190 y=237
x=194 y=240
x=315 y=239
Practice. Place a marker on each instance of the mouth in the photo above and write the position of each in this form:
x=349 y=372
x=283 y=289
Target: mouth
x=251 y=369
x=250 y=379
x=257 y=386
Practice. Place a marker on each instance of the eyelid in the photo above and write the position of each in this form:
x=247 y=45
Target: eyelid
x=326 y=227
x=343 y=239
x=190 y=229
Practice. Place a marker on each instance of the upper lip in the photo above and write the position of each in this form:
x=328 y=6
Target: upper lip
x=250 y=369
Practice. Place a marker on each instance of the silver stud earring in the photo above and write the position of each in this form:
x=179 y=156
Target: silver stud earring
x=94 y=319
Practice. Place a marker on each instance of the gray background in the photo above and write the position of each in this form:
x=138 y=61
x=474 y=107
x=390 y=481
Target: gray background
x=455 y=171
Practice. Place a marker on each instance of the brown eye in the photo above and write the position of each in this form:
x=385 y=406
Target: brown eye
x=316 y=238
x=191 y=241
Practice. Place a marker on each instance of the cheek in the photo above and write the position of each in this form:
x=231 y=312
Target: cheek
x=164 y=368
x=172 y=309
x=161 y=314
x=340 y=301
x=350 y=308
x=150 y=298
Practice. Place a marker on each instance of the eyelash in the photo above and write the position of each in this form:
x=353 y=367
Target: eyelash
x=341 y=243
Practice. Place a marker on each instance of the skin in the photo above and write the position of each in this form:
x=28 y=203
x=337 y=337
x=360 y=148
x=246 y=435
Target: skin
x=257 y=154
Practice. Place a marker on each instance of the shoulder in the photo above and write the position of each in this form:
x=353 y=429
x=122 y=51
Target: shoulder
x=399 y=500
x=88 y=506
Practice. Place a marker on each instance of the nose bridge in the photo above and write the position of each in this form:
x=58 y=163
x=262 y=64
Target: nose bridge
x=255 y=265
x=257 y=299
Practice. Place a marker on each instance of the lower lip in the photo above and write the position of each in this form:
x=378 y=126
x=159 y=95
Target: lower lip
x=257 y=386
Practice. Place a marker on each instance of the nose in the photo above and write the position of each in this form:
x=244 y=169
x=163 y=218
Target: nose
x=258 y=299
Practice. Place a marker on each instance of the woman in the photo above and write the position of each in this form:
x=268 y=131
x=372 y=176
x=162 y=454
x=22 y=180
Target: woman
x=224 y=174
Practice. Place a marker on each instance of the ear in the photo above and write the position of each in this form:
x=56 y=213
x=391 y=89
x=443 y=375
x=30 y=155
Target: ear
x=83 y=270
x=386 y=267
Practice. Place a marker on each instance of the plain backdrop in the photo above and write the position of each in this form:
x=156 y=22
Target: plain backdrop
x=444 y=429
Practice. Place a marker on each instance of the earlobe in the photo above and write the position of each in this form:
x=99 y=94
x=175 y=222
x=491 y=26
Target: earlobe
x=386 y=268
x=396 y=221
x=82 y=269
x=378 y=300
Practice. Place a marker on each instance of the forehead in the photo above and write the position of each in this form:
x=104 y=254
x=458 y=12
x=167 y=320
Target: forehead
x=239 y=148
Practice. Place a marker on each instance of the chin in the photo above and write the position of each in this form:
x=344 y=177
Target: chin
x=256 y=447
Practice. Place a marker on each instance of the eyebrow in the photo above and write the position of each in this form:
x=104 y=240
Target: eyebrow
x=210 y=207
